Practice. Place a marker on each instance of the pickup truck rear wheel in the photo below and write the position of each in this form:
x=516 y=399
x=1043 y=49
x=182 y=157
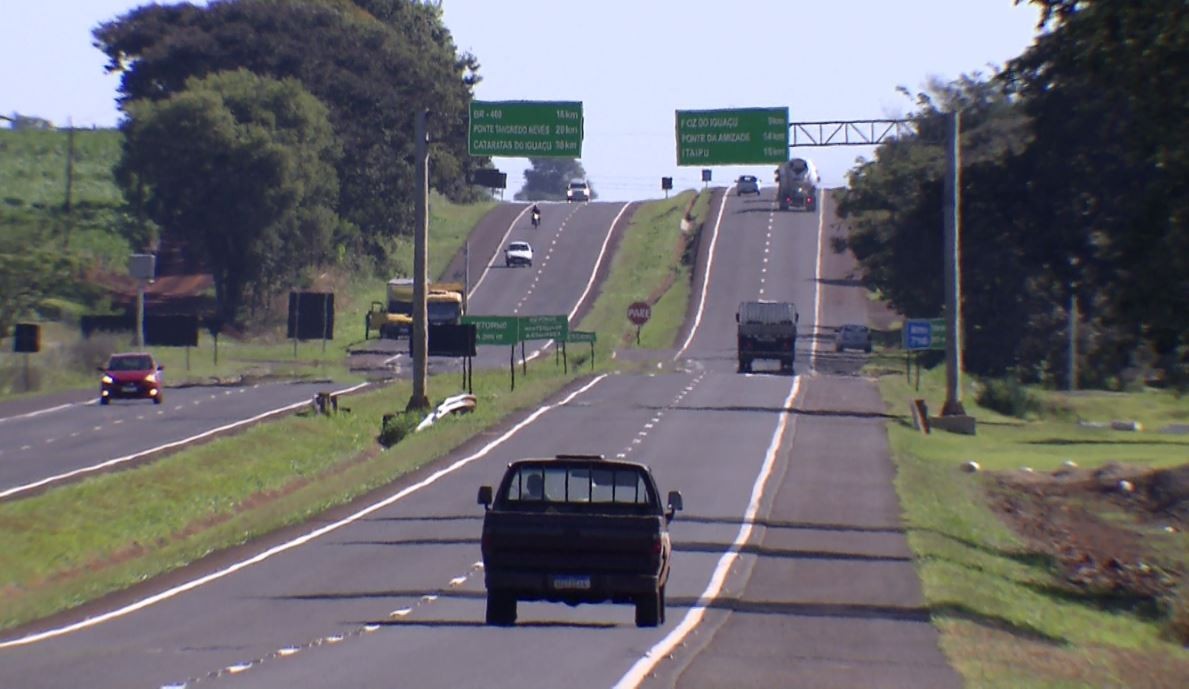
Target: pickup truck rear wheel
x=650 y=609
x=501 y=608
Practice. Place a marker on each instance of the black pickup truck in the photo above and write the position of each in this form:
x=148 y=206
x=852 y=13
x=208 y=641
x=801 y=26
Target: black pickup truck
x=576 y=529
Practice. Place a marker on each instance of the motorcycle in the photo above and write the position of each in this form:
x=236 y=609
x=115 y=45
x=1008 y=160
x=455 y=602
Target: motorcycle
x=536 y=218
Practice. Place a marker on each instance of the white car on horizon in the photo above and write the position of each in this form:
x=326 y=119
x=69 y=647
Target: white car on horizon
x=578 y=190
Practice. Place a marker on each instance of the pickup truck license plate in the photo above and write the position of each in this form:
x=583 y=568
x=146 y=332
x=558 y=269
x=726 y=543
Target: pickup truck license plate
x=571 y=582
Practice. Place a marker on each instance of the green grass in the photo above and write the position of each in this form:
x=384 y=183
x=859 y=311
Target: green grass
x=1004 y=621
x=77 y=542
x=67 y=361
x=648 y=259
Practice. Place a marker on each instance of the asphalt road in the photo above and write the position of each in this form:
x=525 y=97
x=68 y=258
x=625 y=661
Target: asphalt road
x=790 y=566
x=68 y=439
x=573 y=241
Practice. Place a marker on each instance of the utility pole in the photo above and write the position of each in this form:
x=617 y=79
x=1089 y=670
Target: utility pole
x=420 y=333
x=952 y=220
x=1073 y=338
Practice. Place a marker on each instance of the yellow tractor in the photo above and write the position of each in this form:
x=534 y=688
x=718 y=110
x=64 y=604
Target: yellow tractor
x=443 y=302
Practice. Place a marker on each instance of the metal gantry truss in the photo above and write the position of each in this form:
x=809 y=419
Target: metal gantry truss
x=849 y=132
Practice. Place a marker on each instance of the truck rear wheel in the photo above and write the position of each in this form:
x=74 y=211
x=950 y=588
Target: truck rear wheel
x=501 y=608
x=650 y=609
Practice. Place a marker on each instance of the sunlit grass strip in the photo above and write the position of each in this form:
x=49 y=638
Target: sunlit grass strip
x=1004 y=621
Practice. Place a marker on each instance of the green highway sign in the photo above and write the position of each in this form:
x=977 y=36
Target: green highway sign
x=494 y=330
x=580 y=336
x=544 y=328
x=521 y=128
x=732 y=137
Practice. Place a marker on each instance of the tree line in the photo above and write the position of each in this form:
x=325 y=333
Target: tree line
x=1075 y=166
x=275 y=135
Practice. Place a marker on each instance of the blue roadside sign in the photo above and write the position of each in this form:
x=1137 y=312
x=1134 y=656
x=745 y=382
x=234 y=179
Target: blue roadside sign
x=917 y=334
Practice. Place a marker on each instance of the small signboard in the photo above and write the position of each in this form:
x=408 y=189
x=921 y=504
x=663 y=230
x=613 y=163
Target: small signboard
x=544 y=328
x=922 y=334
x=581 y=336
x=639 y=312
x=26 y=338
x=494 y=330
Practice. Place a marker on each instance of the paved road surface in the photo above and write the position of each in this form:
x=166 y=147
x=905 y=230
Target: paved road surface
x=789 y=565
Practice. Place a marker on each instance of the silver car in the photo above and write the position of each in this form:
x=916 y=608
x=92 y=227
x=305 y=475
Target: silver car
x=852 y=336
x=747 y=184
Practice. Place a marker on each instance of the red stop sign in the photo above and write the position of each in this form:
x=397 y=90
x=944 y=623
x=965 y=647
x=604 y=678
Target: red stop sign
x=639 y=312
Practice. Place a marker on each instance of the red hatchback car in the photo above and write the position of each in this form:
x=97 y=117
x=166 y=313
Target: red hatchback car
x=133 y=375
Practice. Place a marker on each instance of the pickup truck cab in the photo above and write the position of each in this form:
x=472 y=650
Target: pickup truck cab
x=576 y=529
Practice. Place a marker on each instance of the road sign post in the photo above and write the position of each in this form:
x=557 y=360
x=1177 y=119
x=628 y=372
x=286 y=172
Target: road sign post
x=639 y=312
x=734 y=136
x=584 y=336
x=522 y=129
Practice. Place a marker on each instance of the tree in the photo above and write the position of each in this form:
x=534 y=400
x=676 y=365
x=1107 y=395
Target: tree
x=243 y=167
x=27 y=278
x=1108 y=101
x=548 y=178
x=374 y=63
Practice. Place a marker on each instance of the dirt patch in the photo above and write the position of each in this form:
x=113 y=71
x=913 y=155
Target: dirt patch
x=1115 y=532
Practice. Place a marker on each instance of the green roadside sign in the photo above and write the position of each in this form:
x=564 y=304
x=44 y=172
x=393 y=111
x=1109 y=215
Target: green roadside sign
x=936 y=333
x=494 y=330
x=732 y=137
x=522 y=129
x=544 y=328
x=581 y=336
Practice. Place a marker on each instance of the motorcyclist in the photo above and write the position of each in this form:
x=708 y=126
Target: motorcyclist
x=536 y=212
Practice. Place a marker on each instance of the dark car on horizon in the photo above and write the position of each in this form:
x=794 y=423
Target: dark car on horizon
x=131 y=375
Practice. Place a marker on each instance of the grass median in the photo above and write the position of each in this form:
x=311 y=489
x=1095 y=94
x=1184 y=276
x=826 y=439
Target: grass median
x=1007 y=610
x=81 y=541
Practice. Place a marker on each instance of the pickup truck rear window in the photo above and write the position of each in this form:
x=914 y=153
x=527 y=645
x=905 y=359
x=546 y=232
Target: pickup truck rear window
x=562 y=485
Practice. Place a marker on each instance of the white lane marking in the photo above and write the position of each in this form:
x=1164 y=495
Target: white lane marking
x=642 y=667
x=458 y=581
x=94 y=428
x=495 y=256
x=589 y=283
x=287 y=651
x=238 y=668
x=705 y=276
x=300 y=540
x=47 y=410
x=166 y=446
x=117 y=422
x=400 y=613
x=26 y=447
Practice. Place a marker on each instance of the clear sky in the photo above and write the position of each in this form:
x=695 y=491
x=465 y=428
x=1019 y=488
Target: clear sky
x=631 y=62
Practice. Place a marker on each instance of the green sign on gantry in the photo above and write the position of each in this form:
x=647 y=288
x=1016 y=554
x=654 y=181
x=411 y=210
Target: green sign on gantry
x=523 y=129
x=736 y=136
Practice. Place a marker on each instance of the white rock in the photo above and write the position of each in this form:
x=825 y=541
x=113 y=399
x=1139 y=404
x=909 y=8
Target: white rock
x=1170 y=529
x=1127 y=426
x=1126 y=486
x=970 y=466
x=1027 y=470
x=1069 y=464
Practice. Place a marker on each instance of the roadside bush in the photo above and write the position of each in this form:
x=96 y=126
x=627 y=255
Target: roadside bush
x=1008 y=397
x=395 y=427
x=1178 y=621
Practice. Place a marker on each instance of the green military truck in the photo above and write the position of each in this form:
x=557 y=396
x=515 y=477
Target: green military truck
x=767 y=330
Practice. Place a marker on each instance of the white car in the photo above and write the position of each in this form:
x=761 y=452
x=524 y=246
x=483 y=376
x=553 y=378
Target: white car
x=518 y=254
x=578 y=190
